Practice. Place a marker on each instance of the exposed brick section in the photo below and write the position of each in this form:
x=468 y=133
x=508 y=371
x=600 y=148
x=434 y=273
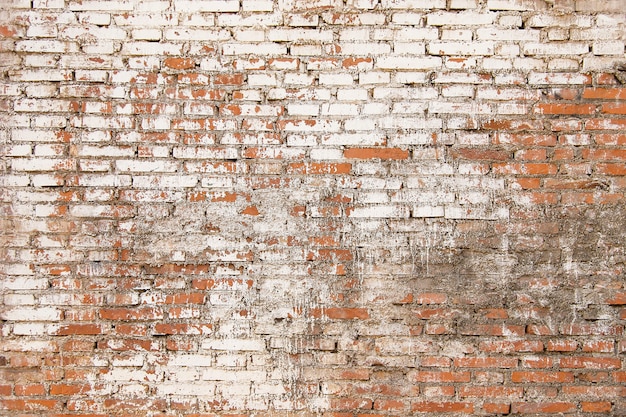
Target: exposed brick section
x=294 y=208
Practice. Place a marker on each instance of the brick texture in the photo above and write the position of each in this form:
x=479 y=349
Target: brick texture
x=343 y=208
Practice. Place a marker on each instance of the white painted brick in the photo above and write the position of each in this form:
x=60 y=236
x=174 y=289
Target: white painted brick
x=608 y=48
x=291 y=35
x=359 y=125
x=94 y=18
x=461 y=19
x=495 y=34
x=178 y=34
x=374 y=78
x=258 y=20
x=375 y=108
x=457 y=35
x=276 y=388
x=562 y=64
x=539 y=78
x=412 y=34
x=228 y=375
x=30 y=329
x=234 y=345
x=44 y=46
x=42 y=31
x=475 y=213
x=512 y=108
x=298 y=50
x=510 y=21
x=408 y=108
x=112 y=5
x=410 y=123
x=410 y=19
x=413 y=4
x=556 y=20
x=206 y=6
x=326 y=154
x=529 y=64
x=235 y=390
x=151 y=48
x=408 y=63
x=379 y=211
x=31 y=314
x=350 y=19
x=608 y=20
x=312 y=126
x=407 y=93
x=153 y=6
x=95 y=33
x=352 y=34
x=186 y=389
x=601 y=63
x=303 y=109
x=570 y=48
x=362 y=48
x=254 y=49
x=302 y=20
x=495 y=64
x=301 y=140
x=19 y=299
x=164 y=181
x=197 y=20
x=354 y=139
x=262 y=80
x=409 y=48
x=48 y=4
x=338 y=109
x=250 y=35
x=257 y=5
x=412 y=77
x=428 y=211
x=461 y=48
x=457 y=91
x=463 y=4
x=352 y=94
x=191 y=360
x=383 y=34
x=517 y=5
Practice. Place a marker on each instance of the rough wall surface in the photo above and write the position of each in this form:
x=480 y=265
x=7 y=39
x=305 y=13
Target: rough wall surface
x=312 y=207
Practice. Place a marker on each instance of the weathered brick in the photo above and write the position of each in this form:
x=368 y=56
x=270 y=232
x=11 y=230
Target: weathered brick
x=377 y=207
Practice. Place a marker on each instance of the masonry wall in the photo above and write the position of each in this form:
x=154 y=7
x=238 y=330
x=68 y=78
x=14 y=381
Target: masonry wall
x=312 y=207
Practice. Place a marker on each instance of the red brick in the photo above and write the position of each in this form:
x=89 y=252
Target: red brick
x=440 y=376
x=179 y=63
x=497 y=408
x=596 y=407
x=442 y=407
x=376 y=153
x=341 y=313
x=543 y=408
x=590 y=363
x=605 y=93
x=560 y=108
x=29 y=390
x=319 y=168
x=142 y=313
x=542 y=376
x=491 y=392
x=485 y=362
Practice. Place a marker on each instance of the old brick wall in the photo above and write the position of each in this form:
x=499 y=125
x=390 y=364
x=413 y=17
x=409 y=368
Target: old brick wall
x=312 y=207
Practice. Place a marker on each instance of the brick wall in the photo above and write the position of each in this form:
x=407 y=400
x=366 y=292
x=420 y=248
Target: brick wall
x=312 y=207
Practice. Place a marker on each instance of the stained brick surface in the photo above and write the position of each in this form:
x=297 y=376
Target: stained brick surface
x=312 y=207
